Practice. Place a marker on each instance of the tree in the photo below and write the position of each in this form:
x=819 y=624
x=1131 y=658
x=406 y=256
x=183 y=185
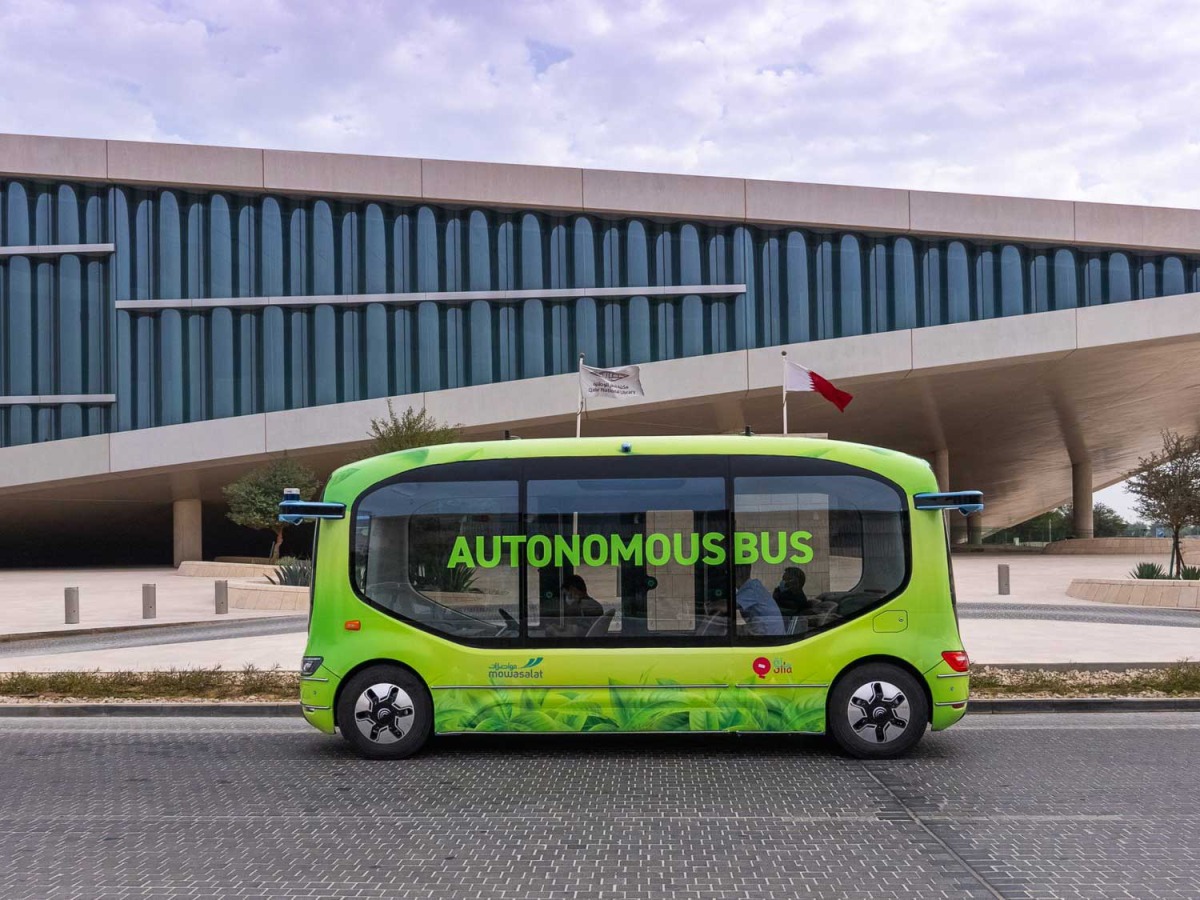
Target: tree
x=410 y=429
x=1049 y=526
x=1166 y=488
x=1107 y=522
x=254 y=498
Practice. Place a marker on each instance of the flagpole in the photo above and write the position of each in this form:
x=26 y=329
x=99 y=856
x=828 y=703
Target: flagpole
x=579 y=410
x=783 y=353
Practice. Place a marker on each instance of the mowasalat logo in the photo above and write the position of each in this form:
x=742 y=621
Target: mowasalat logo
x=531 y=669
x=711 y=549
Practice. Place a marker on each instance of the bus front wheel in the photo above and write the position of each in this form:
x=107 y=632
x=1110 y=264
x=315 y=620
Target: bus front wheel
x=385 y=712
x=877 y=711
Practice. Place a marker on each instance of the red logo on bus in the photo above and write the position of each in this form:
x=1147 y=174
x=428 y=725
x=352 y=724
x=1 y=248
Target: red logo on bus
x=762 y=666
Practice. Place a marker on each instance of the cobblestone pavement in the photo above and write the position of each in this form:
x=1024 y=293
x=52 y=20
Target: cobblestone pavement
x=1112 y=615
x=1071 y=806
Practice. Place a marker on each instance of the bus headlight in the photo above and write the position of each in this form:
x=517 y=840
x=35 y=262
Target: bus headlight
x=310 y=664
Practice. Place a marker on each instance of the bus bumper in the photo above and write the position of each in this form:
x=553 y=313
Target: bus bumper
x=316 y=699
x=950 y=692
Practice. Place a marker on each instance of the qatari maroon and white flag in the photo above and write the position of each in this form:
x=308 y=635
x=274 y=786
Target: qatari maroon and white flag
x=622 y=382
x=798 y=378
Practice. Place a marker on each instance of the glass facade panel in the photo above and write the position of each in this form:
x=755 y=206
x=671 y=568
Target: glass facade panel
x=184 y=365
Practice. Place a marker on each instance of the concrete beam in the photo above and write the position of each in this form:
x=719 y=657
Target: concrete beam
x=975 y=215
x=494 y=184
x=337 y=174
x=186 y=165
x=603 y=191
x=831 y=205
x=53 y=157
x=684 y=196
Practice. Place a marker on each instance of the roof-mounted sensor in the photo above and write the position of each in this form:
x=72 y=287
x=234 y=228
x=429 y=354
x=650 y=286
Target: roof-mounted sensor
x=966 y=502
x=293 y=510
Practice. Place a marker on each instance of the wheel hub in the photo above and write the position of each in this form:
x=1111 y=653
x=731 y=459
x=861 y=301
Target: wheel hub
x=878 y=712
x=384 y=713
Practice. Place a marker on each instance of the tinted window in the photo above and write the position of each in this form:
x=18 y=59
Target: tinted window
x=621 y=558
x=813 y=551
x=432 y=552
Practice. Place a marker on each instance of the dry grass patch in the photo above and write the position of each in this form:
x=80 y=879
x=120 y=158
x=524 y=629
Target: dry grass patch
x=1181 y=679
x=250 y=683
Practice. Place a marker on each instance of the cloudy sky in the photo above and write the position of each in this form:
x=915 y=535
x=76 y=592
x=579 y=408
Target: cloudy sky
x=1048 y=98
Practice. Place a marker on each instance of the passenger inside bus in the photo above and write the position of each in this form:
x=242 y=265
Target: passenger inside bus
x=789 y=596
x=755 y=604
x=580 y=610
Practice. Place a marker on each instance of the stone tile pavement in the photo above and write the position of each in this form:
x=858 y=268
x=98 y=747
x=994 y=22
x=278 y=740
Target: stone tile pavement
x=1085 y=807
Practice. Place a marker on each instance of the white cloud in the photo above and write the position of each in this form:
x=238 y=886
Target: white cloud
x=1047 y=99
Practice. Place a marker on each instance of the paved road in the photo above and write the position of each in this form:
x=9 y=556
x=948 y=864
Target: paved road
x=1112 y=615
x=1083 y=806
x=148 y=637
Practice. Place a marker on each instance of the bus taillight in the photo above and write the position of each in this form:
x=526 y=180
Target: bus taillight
x=957 y=660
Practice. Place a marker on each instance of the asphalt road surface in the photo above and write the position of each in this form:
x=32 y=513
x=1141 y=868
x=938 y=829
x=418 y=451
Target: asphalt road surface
x=1073 y=806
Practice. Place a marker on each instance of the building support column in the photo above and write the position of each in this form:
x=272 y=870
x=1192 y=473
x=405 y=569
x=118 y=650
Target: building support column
x=975 y=529
x=1081 y=499
x=188 y=530
x=959 y=527
x=941 y=468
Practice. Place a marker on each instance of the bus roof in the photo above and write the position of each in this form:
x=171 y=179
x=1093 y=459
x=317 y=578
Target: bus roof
x=911 y=472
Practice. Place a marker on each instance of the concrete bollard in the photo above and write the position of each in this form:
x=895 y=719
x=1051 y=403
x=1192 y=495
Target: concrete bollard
x=1002 y=578
x=71 y=602
x=222 y=597
x=149 y=601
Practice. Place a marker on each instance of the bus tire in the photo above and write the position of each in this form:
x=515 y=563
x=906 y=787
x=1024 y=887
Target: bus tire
x=385 y=712
x=877 y=711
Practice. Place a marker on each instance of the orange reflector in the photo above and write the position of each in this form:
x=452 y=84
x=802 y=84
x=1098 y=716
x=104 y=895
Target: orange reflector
x=354 y=625
x=957 y=660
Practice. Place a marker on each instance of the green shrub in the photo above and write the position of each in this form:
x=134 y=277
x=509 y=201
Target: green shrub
x=1189 y=573
x=1147 y=570
x=460 y=580
x=296 y=573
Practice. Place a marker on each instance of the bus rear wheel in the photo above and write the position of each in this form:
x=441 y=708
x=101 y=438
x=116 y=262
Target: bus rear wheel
x=877 y=711
x=385 y=712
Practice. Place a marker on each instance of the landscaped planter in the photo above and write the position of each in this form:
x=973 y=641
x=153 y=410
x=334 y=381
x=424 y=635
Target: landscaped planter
x=259 y=595
x=198 y=569
x=1166 y=592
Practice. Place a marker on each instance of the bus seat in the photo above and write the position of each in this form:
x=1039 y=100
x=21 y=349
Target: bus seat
x=599 y=628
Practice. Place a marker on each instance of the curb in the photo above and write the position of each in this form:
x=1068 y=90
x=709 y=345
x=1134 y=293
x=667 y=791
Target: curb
x=1084 y=704
x=290 y=710
x=148 y=710
x=1076 y=667
x=16 y=637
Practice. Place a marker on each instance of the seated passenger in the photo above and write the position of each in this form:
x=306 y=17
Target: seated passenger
x=757 y=608
x=579 y=610
x=789 y=595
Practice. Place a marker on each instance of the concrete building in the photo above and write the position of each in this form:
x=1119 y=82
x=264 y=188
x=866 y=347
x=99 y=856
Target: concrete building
x=172 y=315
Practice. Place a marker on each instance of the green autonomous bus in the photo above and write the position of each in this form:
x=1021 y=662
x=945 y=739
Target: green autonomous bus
x=648 y=584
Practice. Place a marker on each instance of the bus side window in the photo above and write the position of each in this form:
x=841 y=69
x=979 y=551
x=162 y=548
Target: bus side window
x=813 y=551
x=626 y=558
x=433 y=553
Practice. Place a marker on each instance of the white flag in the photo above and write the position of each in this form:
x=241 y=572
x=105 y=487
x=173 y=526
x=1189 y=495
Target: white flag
x=622 y=382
